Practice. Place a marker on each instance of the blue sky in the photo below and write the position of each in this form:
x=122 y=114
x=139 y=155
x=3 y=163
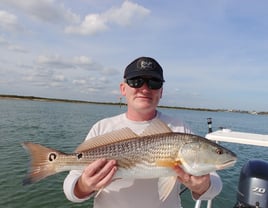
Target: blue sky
x=214 y=52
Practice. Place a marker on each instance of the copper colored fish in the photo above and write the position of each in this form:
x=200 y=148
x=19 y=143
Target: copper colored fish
x=149 y=155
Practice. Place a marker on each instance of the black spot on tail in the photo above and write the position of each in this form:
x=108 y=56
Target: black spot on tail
x=52 y=156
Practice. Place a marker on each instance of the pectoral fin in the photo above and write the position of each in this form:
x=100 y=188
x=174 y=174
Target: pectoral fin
x=165 y=186
x=168 y=163
x=99 y=191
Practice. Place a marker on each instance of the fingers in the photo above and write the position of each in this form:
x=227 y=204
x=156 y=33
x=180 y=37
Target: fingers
x=197 y=184
x=103 y=173
x=182 y=176
x=99 y=166
x=95 y=176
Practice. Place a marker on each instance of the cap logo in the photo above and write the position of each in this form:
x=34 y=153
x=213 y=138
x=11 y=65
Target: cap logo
x=144 y=64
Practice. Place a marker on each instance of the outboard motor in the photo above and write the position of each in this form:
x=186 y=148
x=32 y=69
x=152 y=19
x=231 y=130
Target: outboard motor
x=253 y=185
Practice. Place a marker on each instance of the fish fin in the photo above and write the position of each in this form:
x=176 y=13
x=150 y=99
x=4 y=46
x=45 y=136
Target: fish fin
x=108 y=138
x=156 y=127
x=168 y=163
x=165 y=186
x=42 y=162
x=99 y=191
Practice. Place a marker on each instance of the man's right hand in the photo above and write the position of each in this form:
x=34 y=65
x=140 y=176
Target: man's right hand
x=94 y=177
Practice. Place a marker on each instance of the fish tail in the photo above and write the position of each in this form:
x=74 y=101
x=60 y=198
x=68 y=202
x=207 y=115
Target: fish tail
x=42 y=164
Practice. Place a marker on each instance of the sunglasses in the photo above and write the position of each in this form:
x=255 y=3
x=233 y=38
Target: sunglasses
x=152 y=83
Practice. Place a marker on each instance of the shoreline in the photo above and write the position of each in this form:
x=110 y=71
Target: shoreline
x=35 y=98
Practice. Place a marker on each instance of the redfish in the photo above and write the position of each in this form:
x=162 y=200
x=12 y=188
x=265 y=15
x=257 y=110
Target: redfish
x=153 y=154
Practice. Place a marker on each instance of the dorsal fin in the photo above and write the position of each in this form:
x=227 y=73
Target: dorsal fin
x=156 y=127
x=108 y=138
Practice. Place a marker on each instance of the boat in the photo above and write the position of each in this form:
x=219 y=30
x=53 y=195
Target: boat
x=252 y=188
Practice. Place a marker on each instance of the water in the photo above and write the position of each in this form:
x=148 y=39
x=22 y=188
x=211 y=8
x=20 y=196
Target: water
x=65 y=125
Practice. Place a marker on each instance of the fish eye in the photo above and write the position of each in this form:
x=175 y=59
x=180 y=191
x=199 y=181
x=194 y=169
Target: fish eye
x=219 y=151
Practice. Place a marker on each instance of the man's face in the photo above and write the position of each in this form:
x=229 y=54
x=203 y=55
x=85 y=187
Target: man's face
x=141 y=99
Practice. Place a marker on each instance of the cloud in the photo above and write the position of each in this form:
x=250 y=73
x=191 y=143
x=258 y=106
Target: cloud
x=125 y=15
x=79 y=82
x=56 y=61
x=77 y=62
x=17 y=48
x=45 y=10
x=91 y=84
x=83 y=60
x=76 y=75
x=11 y=46
x=8 y=21
x=42 y=77
x=58 y=77
x=92 y=24
x=3 y=41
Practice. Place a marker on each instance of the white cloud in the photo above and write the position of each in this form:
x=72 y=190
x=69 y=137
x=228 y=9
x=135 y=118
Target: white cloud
x=92 y=24
x=79 y=82
x=48 y=59
x=80 y=74
x=43 y=77
x=55 y=61
x=125 y=15
x=17 y=48
x=8 y=21
x=45 y=10
x=77 y=62
x=3 y=41
x=58 y=77
x=90 y=84
x=82 y=60
x=12 y=47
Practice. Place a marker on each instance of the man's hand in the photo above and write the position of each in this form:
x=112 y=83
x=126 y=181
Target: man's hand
x=197 y=184
x=95 y=176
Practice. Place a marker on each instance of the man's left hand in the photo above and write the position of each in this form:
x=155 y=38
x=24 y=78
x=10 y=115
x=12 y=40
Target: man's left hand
x=197 y=184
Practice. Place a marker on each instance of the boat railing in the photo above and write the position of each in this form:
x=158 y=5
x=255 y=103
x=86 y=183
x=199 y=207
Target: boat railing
x=199 y=202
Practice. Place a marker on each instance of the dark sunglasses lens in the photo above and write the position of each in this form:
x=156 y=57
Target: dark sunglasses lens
x=154 y=84
x=135 y=83
x=138 y=82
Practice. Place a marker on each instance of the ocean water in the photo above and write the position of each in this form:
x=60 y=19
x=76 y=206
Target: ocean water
x=64 y=125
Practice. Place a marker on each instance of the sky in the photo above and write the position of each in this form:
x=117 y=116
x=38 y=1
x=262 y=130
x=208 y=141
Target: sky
x=214 y=53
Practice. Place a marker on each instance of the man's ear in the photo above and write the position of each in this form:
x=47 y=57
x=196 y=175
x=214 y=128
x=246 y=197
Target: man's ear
x=123 y=88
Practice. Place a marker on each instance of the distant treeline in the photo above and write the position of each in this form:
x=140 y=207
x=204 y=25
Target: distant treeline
x=34 y=98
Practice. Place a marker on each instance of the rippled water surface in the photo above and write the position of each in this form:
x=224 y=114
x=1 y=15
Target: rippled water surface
x=64 y=125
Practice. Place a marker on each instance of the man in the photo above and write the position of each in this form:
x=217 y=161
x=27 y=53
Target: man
x=142 y=87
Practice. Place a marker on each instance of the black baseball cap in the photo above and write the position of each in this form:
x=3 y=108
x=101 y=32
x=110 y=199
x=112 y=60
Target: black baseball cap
x=144 y=66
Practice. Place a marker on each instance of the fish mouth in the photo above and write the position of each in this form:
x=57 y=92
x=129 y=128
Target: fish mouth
x=227 y=164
